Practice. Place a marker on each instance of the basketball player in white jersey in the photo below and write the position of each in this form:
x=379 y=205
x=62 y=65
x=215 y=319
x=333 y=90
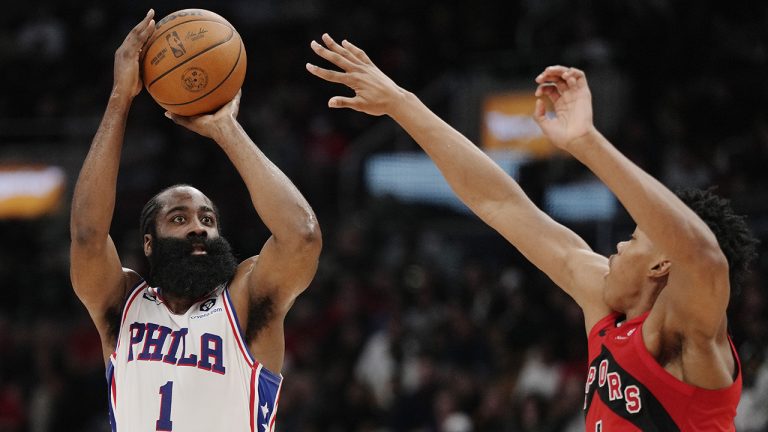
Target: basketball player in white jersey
x=200 y=345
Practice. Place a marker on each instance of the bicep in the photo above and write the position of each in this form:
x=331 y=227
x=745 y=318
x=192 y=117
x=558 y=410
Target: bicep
x=558 y=252
x=98 y=277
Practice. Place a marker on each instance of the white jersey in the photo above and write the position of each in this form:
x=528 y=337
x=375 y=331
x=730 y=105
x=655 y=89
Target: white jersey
x=187 y=373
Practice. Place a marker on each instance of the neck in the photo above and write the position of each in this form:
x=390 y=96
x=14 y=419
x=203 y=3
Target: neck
x=646 y=301
x=635 y=312
x=179 y=305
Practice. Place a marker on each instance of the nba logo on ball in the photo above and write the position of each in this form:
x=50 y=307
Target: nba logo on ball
x=208 y=64
x=175 y=43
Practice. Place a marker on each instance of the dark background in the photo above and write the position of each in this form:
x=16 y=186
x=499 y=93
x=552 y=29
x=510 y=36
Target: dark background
x=420 y=318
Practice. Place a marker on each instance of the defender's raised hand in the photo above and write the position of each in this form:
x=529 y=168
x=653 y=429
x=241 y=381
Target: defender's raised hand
x=568 y=91
x=375 y=93
x=127 y=77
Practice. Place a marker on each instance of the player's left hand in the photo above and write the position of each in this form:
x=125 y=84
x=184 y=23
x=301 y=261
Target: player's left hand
x=567 y=89
x=210 y=125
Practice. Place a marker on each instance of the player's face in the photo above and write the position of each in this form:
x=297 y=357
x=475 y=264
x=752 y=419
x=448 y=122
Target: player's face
x=628 y=271
x=187 y=256
x=186 y=213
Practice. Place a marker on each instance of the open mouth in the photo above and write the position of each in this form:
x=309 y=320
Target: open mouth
x=199 y=249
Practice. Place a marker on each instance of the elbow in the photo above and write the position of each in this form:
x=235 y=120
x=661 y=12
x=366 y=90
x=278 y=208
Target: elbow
x=85 y=235
x=711 y=260
x=717 y=260
x=703 y=248
x=309 y=237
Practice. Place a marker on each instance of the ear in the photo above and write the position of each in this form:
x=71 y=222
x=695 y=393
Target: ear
x=147 y=244
x=661 y=269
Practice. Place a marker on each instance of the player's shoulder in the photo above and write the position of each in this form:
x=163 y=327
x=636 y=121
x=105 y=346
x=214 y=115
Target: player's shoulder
x=247 y=264
x=132 y=278
x=243 y=271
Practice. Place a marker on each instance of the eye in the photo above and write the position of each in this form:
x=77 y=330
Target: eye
x=178 y=219
x=207 y=220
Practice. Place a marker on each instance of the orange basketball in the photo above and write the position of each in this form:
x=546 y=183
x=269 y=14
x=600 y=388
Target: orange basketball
x=194 y=62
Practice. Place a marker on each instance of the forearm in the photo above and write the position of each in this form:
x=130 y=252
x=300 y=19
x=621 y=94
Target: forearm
x=478 y=181
x=280 y=205
x=668 y=222
x=94 y=197
x=500 y=202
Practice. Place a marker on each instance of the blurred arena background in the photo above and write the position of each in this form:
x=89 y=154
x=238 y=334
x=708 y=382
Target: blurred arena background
x=420 y=318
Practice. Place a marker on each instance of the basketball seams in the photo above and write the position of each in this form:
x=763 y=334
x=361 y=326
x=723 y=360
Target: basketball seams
x=224 y=80
x=231 y=34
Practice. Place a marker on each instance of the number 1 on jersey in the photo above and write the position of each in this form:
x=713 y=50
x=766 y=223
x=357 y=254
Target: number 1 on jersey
x=164 y=423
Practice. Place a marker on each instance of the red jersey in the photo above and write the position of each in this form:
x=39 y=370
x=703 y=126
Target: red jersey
x=627 y=390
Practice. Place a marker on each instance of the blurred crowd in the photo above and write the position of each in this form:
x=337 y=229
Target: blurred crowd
x=420 y=318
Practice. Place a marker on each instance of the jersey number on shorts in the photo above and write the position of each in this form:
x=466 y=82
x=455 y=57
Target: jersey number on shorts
x=164 y=423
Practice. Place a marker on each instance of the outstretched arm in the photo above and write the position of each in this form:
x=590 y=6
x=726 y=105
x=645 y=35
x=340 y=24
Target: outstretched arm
x=97 y=276
x=288 y=260
x=489 y=192
x=696 y=296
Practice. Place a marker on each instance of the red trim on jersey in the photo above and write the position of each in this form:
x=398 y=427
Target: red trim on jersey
x=128 y=304
x=253 y=396
x=114 y=391
x=236 y=331
x=277 y=402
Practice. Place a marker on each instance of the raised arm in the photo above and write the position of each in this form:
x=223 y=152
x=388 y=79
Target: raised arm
x=288 y=260
x=696 y=296
x=488 y=191
x=97 y=276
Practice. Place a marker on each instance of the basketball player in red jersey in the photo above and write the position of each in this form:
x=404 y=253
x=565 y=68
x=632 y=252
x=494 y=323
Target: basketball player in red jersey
x=225 y=370
x=655 y=311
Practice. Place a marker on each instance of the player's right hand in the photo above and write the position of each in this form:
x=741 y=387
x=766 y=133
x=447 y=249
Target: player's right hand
x=211 y=125
x=375 y=93
x=127 y=78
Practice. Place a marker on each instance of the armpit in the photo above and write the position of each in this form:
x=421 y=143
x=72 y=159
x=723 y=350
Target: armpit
x=262 y=310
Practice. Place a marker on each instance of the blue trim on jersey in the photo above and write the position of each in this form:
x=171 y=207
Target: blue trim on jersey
x=125 y=305
x=110 y=371
x=234 y=314
x=237 y=324
x=276 y=378
x=110 y=374
x=269 y=392
x=270 y=376
x=130 y=291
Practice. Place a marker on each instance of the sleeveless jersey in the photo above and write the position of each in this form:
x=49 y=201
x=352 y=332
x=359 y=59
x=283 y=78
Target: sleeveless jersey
x=627 y=390
x=187 y=373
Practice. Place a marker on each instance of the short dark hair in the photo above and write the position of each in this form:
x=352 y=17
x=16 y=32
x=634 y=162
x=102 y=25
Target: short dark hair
x=733 y=235
x=147 y=220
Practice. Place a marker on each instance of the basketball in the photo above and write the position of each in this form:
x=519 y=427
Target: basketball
x=194 y=63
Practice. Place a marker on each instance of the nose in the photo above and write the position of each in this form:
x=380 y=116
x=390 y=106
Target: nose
x=197 y=229
x=620 y=246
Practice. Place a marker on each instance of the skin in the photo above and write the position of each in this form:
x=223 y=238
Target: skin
x=672 y=266
x=285 y=265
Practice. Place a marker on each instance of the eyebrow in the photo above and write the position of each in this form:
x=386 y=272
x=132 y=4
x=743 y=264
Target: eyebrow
x=185 y=208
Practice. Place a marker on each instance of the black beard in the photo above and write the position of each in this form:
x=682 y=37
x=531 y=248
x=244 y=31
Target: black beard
x=179 y=274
